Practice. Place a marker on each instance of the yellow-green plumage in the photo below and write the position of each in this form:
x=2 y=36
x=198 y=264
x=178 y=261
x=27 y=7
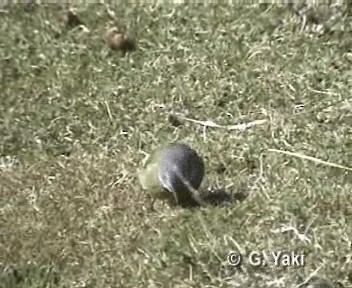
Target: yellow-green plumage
x=149 y=178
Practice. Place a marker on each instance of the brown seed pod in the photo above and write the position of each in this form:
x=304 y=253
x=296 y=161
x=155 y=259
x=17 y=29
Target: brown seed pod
x=118 y=41
x=69 y=18
x=73 y=20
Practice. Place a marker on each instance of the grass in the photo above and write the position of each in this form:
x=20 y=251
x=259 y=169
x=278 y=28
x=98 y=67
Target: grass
x=76 y=119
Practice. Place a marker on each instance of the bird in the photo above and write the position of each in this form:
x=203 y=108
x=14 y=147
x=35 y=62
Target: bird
x=174 y=173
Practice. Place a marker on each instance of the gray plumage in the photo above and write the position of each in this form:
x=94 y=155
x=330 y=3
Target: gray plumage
x=178 y=171
x=181 y=172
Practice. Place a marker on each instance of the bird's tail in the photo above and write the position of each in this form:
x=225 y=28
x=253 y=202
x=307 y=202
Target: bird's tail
x=195 y=193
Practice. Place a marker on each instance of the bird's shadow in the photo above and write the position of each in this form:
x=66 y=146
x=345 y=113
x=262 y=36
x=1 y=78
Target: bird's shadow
x=223 y=196
x=215 y=197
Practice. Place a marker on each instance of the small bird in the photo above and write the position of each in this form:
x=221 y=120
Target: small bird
x=174 y=173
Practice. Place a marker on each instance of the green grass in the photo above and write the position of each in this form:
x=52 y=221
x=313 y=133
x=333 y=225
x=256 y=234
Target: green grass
x=72 y=213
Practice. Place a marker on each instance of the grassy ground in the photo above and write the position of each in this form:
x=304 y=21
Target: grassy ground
x=76 y=119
